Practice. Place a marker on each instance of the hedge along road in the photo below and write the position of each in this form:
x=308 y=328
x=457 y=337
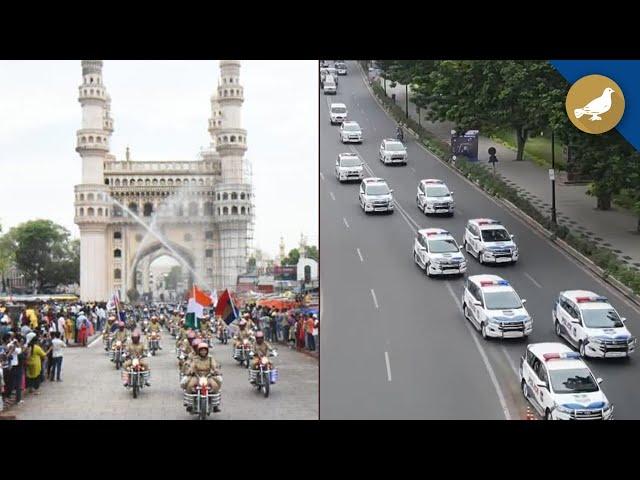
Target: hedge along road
x=395 y=343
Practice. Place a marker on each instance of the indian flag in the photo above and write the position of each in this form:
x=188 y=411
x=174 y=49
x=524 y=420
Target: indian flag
x=195 y=308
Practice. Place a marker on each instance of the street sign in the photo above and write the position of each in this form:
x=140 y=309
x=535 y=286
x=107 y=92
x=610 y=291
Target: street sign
x=552 y=174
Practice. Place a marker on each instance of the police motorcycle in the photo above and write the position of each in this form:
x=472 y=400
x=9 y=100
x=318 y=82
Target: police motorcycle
x=153 y=340
x=223 y=335
x=242 y=353
x=135 y=377
x=117 y=353
x=265 y=375
x=203 y=401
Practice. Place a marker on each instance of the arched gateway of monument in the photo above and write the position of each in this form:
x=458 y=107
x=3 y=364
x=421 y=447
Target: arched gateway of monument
x=199 y=212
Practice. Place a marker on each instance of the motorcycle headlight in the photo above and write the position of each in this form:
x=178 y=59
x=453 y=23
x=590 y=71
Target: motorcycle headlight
x=245 y=341
x=264 y=360
x=203 y=381
x=135 y=362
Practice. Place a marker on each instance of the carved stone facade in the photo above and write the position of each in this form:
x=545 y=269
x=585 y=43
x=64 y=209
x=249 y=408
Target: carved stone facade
x=199 y=212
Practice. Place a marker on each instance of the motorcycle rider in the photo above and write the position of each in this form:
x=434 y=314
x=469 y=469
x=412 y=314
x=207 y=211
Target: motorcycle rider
x=251 y=325
x=400 y=132
x=136 y=349
x=204 y=365
x=220 y=325
x=121 y=335
x=155 y=327
x=260 y=349
x=107 y=328
x=242 y=333
x=205 y=325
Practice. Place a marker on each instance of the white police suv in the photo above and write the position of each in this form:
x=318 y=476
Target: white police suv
x=349 y=167
x=434 y=197
x=494 y=307
x=337 y=113
x=437 y=253
x=392 y=151
x=489 y=241
x=375 y=195
x=589 y=323
x=560 y=386
x=341 y=68
x=350 y=132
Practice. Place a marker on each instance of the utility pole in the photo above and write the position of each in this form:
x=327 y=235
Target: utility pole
x=552 y=176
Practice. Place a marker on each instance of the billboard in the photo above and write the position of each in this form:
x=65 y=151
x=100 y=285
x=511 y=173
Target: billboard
x=285 y=273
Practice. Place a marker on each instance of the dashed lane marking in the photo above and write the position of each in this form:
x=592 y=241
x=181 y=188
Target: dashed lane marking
x=346 y=224
x=483 y=354
x=375 y=300
x=321 y=176
x=386 y=359
x=359 y=254
x=533 y=280
x=332 y=196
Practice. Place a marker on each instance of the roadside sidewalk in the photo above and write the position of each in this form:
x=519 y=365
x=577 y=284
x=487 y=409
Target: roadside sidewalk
x=614 y=229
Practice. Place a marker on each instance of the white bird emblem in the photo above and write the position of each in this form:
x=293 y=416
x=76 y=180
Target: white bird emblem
x=596 y=107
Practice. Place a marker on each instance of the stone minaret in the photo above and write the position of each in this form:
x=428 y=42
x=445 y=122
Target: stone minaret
x=234 y=189
x=91 y=195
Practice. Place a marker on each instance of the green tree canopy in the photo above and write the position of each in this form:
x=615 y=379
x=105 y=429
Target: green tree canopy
x=292 y=258
x=312 y=252
x=45 y=253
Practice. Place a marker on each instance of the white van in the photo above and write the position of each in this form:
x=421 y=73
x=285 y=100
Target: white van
x=329 y=86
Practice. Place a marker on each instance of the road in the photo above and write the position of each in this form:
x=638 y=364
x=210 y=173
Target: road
x=395 y=343
x=91 y=390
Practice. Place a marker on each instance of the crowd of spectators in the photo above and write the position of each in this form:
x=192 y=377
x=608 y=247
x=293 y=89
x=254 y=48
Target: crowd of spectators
x=32 y=342
x=292 y=327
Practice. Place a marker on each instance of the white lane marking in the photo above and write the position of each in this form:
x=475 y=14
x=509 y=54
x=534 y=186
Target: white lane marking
x=485 y=359
x=413 y=170
x=359 y=254
x=404 y=216
x=321 y=176
x=345 y=222
x=386 y=359
x=331 y=195
x=375 y=300
x=99 y=337
x=510 y=361
x=533 y=280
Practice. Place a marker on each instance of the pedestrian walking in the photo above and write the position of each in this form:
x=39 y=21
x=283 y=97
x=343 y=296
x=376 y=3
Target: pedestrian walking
x=34 y=365
x=57 y=345
x=273 y=327
x=68 y=331
x=300 y=336
x=17 y=360
x=310 y=325
x=316 y=332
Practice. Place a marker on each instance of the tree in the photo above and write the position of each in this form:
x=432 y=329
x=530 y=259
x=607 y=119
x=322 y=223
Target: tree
x=6 y=257
x=292 y=258
x=251 y=264
x=45 y=253
x=312 y=252
x=171 y=282
x=489 y=95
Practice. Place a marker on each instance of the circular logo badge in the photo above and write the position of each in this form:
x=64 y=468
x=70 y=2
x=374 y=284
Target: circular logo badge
x=595 y=104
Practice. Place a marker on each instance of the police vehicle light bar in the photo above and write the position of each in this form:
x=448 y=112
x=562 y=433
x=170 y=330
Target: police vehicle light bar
x=432 y=181
x=487 y=283
x=591 y=299
x=558 y=356
x=437 y=232
x=488 y=222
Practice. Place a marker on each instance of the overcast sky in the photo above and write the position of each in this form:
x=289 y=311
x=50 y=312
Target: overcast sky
x=161 y=110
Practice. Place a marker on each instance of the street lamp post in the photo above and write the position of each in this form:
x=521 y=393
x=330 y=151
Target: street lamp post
x=406 y=99
x=553 y=181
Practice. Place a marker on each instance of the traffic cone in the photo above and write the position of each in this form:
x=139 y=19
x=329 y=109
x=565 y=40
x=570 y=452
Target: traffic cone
x=530 y=414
